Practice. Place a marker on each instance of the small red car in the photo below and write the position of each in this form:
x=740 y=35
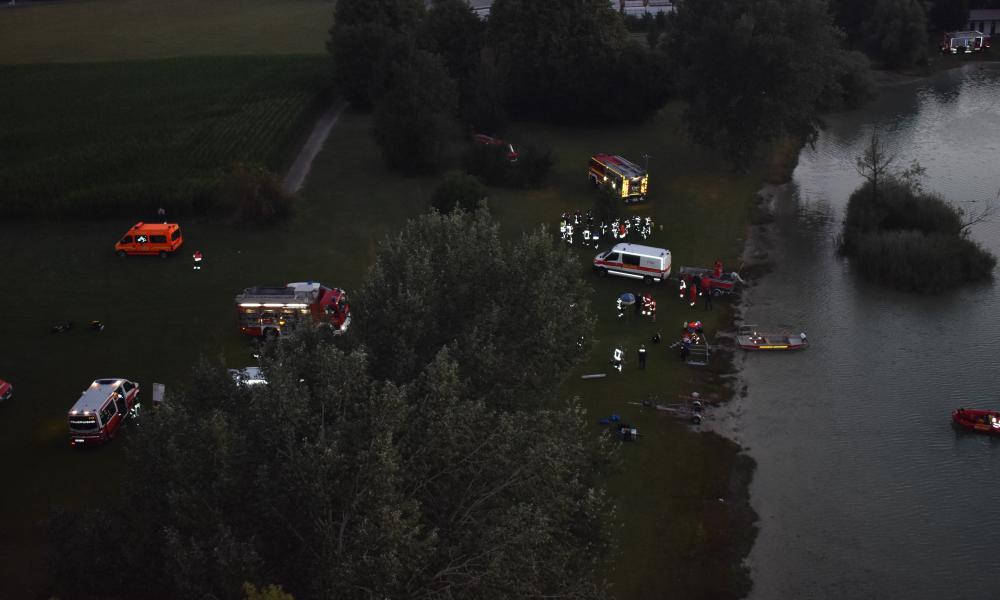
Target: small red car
x=6 y=390
x=485 y=140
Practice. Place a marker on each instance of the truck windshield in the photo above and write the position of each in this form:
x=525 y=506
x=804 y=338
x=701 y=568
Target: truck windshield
x=83 y=423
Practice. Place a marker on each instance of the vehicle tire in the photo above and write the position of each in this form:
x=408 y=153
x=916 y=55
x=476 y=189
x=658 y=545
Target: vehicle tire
x=602 y=272
x=163 y=254
x=716 y=292
x=122 y=254
x=647 y=280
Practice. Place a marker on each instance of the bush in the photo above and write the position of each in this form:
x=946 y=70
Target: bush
x=490 y=164
x=910 y=240
x=912 y=261
x=458 y=190
x=899 y=206
x=607 y=205
x=251 y=194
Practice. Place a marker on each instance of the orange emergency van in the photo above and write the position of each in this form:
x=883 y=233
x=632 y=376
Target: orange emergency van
x=150 y=238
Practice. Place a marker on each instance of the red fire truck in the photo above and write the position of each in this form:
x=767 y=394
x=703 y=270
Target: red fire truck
x=272 y=311
x=101 y=410
x=627 y=179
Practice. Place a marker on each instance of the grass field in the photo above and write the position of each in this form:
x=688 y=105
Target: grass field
x=170 y=114
x=161 y=315
x=115 y=30
x=111 y=139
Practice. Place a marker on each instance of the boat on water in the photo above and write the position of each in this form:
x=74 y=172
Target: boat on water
x=985 y=421
x=749 y=337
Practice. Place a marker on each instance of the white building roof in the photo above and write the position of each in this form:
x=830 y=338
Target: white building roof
x=93 y=398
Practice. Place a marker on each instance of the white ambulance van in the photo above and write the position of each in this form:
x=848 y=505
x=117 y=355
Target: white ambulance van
x=632 y=260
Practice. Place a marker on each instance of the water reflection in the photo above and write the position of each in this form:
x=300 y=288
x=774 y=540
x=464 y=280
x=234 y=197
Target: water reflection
x=863 y=488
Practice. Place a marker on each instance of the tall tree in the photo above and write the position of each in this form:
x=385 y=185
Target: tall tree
x=452 y=30
x=511 y=315
x=753 y=70
x=433 y=460
x=414 y=115
x=362 y=32
x=563 y=59
x=947 y=15
x=896 y=33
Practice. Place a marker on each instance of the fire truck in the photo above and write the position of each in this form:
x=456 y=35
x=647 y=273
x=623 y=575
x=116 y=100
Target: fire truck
x=627 y=179
x=272 y=311
x=964 y=42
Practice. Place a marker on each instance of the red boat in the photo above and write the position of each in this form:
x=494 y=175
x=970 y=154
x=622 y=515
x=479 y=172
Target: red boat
x=985 y=421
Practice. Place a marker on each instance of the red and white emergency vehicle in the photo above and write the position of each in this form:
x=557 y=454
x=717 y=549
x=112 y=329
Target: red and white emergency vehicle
x=632 y=260
x=964 y=42
x=629 y=181
x=272 y=311
x=101 y=410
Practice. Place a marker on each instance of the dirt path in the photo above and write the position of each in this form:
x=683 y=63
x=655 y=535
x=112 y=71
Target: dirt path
x=299 y=170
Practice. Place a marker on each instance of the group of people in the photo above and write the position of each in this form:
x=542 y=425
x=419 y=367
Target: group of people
x=571 y=224
x=696 y=285
x=645 y=305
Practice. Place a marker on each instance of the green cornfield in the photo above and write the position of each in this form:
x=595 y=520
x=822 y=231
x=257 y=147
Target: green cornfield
x=98 y=140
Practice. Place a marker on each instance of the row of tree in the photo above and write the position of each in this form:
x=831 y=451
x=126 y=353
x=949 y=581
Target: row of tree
x=429 y=74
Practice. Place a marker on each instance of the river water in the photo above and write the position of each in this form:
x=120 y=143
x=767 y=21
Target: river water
x=863 y=488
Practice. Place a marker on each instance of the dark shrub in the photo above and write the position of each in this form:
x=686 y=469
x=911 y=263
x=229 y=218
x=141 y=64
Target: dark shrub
x=910 y=240
x=252 y=194
x=607 y=205
x=458 y=190
x=912 y=261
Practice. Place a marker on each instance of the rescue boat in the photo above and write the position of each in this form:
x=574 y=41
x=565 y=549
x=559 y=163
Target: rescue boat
x=984 y=421
x=749 y=338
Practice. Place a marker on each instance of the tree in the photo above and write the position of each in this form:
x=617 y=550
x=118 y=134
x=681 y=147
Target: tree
x=515 y=313
x=362 y=32
x=563 y=59
x=252 y=195
x=876 y=163
x=452 y=30
x=850 y=16
x=752 y=70
x=458 y=190
x=415 y=114
x=896 y=33
x=342 y=486
x=947 y=15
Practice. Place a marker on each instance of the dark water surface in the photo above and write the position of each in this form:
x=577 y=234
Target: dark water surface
x=863 y=487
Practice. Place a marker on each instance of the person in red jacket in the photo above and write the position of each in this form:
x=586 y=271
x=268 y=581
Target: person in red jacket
x=693 y=293
x=718 y=269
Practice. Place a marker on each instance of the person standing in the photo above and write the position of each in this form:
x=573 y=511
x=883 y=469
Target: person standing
x=642 y=356
x=693 y=293
x=706 y=284
x=718 y=269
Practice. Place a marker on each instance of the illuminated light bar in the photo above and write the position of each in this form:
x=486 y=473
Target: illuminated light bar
x=273 y=305
x=297 y=305
x=250 y=305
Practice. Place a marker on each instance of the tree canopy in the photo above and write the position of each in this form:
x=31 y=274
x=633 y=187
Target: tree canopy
x=511 y=314
x=362 y=32
x=414 y=113
x=755 y=70
x=431 y=459
x=896 y=32
x=566 y=59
